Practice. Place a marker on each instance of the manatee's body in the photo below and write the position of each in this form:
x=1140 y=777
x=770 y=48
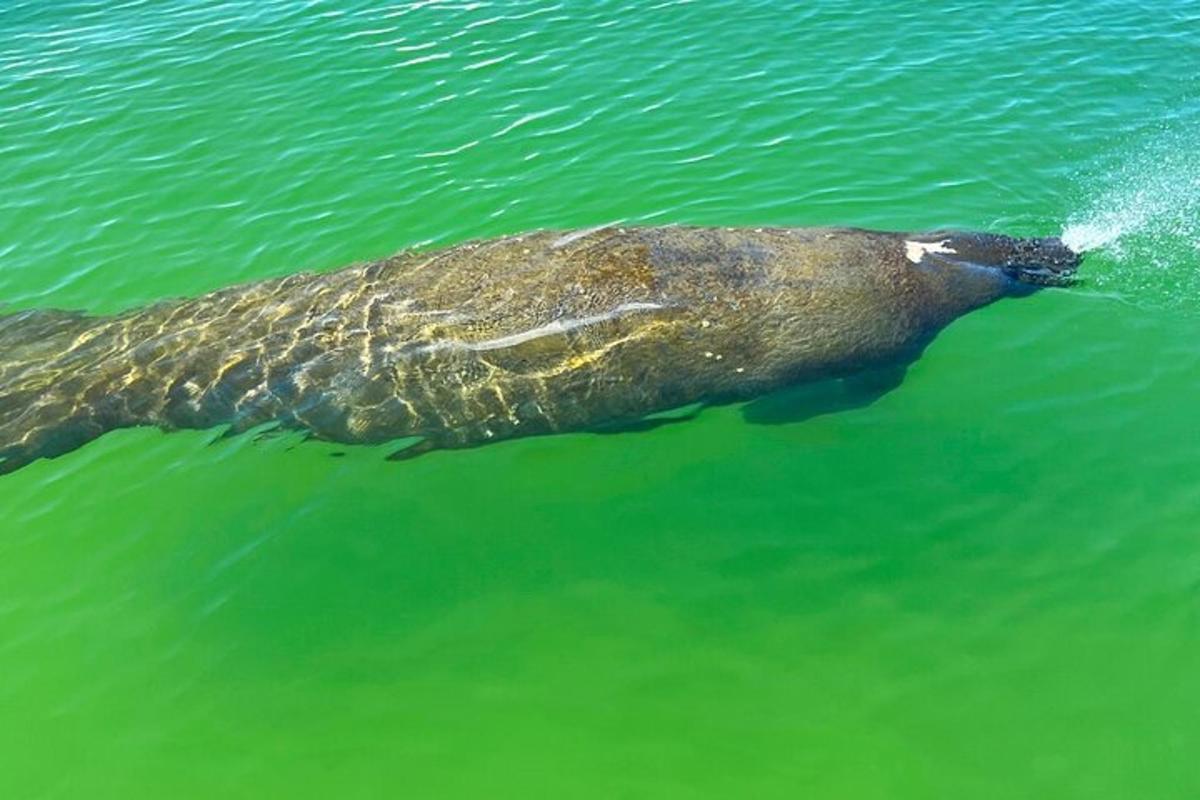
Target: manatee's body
x=529 y=334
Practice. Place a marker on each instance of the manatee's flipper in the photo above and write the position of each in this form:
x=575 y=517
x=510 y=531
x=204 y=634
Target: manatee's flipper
x=650 y=421
x=411 y=448
x=415 y=446
x=805 y=401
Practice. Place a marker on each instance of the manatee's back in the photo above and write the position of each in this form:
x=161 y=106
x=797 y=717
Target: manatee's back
x=544 y=332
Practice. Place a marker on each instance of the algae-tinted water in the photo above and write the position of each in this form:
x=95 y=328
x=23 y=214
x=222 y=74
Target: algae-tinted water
x=983 y=585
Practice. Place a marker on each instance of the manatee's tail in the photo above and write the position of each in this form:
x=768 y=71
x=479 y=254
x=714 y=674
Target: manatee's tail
x=51 y=398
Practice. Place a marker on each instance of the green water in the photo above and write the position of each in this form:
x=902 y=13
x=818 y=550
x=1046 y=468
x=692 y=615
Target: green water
x=984 y=585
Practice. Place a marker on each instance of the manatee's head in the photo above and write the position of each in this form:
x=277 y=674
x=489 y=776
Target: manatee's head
x=1043 y=261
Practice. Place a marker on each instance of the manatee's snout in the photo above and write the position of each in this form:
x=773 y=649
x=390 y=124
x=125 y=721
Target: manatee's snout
x=1044 y=261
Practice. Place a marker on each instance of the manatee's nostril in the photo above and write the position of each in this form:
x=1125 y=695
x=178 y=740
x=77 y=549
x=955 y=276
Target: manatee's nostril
x=1054 y=254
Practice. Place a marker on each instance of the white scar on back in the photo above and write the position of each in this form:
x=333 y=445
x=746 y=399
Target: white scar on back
x=917 y=250
x=555 y=328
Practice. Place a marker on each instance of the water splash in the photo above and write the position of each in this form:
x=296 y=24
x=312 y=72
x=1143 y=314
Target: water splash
x=1143 y=223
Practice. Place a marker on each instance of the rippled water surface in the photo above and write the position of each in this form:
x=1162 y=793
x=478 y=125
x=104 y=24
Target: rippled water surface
x=986 y=584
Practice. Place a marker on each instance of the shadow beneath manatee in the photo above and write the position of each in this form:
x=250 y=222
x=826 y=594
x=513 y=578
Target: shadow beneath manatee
x=792 y=404
x=807 y=400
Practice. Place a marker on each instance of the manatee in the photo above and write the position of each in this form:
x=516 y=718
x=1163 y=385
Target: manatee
x=531 y=334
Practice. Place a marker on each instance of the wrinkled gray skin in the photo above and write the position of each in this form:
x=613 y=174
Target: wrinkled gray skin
x=522 y=335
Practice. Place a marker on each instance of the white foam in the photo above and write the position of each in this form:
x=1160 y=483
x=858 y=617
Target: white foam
x=1154 y=193
x=1142 y=222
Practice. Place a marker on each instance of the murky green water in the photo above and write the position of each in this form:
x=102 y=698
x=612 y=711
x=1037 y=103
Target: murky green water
x=987 y=584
